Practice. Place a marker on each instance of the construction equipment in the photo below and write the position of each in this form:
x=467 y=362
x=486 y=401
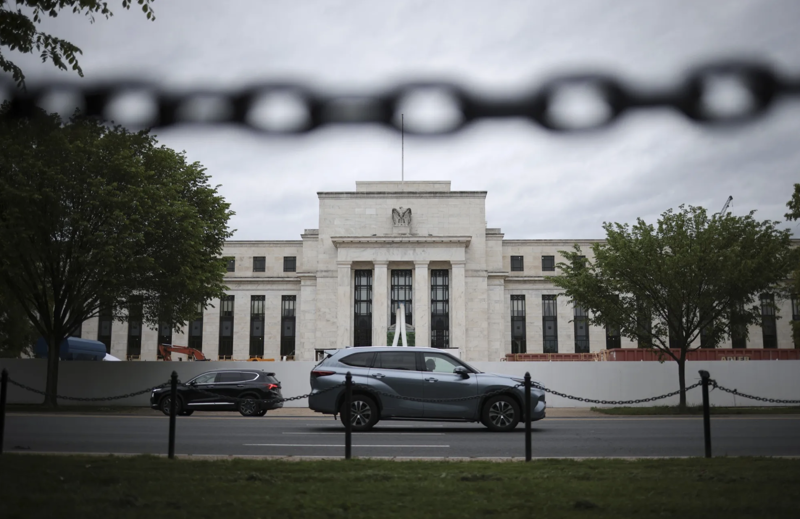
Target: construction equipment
x=165 y=351
x=259 y=359
x=725 y=207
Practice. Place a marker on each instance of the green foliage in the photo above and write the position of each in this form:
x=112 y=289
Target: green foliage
x=410 y=337
x=18 y=30
x=690 y=274
x=793 y=215
x=91 y=213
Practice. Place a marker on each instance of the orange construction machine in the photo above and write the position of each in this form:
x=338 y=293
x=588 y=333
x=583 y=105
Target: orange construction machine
x=166 y=349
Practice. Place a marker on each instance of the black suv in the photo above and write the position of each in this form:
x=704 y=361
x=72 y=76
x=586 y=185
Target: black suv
x=215 y=391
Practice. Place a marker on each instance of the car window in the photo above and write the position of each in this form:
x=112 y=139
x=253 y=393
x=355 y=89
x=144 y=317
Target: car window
x=439 y=363
x=361 y=360
x=229 y=376
x=401 y=360
x=205 y=378
x=248 y=377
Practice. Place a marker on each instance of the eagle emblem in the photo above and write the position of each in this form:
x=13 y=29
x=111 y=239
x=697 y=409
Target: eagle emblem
x=401 y=216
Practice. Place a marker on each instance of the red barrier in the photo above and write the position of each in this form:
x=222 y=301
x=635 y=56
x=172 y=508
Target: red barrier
x=639 y=355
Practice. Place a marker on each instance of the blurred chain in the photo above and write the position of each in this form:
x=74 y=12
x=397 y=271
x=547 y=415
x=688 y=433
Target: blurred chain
x=736 y=392
x=89 y=399
x=613 y=402
x=757 y=88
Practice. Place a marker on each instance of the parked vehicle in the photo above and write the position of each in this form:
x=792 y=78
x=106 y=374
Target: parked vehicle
x=388 y=379
x=215 y=390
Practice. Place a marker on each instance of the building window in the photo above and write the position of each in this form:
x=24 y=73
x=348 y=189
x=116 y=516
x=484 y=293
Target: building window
x=644 y=326
x=440 y=308
x=738 y=328
x=401 y=293
x=257 y=326
x=226 y=327
x=290 y=263
x=362 y=329
x=580 y=262
x=549 y=263
x=230 y=263
x=288 y=321
x=673 y=328
x=259 y=264
x=105 y=319
x=705 y=332
x=549 y=324
x=613 y=337
x=517 y=264
x=135 y=314
x=518 y=332
x=768 y=329
x=196 y=330
x=164 y=336
x=581 y=320
x=795 y=318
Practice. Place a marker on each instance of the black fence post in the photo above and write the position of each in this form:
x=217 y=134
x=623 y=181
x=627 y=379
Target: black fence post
x=706 y=412
x=3 y=393
x=527 y=416
x=173 y=397
x=348 y=425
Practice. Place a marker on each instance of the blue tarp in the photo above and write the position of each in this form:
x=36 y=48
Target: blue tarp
x=73 y=348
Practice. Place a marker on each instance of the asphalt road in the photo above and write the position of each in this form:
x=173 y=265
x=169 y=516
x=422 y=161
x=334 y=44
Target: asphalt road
x=323 y=437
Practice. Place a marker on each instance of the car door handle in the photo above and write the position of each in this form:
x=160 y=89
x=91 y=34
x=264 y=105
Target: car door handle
x=378 y=375
x=431 y=379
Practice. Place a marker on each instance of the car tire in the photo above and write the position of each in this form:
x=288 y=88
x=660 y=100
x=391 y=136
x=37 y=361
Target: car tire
x=187 y=412
x=164 y=404
x=501 y=413
x=363 y=413
x=249 y=406
x=262 y=412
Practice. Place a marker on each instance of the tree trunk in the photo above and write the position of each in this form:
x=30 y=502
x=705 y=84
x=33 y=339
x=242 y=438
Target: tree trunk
x=682 y=381
x=53 y=354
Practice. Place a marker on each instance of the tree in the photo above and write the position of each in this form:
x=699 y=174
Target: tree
x=793 y=215
x=18 y=30
x=17 y=333
x=691 y=275
x=94 y=215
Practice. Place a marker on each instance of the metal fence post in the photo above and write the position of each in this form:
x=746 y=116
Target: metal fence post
x=527 y=416
x=706 y=412
x=173 y=397
x=348 y=426
x=3 y=393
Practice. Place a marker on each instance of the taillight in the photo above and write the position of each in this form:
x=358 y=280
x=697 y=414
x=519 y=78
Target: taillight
x=319 y=373
x=272 y=386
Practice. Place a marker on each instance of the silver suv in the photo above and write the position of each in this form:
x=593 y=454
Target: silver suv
x=394 y=382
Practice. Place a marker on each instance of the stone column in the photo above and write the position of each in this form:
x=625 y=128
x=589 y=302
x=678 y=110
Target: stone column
x=380 y=303
x=422 y=304
x=305 y=318
x=344 y=300
x=458 y=314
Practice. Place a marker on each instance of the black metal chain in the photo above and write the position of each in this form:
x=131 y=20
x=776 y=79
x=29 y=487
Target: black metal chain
x=89 y=399
x=693 y=96
x=736 y=392
x=613 y=402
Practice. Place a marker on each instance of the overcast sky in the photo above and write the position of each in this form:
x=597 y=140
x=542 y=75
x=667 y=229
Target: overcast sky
x=540 y=185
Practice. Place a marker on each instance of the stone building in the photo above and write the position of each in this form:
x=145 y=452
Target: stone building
x=463 y=286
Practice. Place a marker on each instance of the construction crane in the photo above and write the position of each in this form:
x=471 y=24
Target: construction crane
x=725 y=207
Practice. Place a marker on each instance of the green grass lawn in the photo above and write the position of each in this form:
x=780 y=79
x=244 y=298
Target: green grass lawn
x=693 y=410
x=38 y=486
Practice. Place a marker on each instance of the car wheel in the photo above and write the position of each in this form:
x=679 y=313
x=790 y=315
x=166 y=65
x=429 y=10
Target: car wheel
x=187 y=412
x=501 y=413
x=249 y=406
x=363 y=413
x=262 y=412
x=165 y=405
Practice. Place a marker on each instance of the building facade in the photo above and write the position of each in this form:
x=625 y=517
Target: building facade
x=418 y=244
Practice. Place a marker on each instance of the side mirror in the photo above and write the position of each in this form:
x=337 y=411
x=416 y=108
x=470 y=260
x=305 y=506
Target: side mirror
x=191 y=383
x=461 y=370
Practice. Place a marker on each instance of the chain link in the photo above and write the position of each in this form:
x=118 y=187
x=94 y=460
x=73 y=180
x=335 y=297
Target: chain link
x=736 y=392
x=89 y=399
x=613 y=402
x=250 y=106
